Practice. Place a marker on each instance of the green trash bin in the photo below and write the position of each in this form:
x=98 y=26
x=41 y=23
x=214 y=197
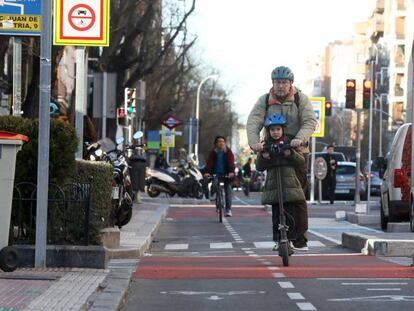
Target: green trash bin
x=10 y=144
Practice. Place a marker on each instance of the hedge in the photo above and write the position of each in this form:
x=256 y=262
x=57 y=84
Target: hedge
x=62 y=147
x=101 y=189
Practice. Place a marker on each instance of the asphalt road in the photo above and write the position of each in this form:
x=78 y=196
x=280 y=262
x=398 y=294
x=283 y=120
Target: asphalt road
x=196 y=263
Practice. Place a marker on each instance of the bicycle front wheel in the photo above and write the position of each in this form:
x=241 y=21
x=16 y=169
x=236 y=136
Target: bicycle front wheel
x=220 y=204
x=284 y=253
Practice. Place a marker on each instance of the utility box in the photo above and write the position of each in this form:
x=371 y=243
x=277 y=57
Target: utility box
x=10 y=144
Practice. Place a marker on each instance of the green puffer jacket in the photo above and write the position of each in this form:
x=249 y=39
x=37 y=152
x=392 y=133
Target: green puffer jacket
x=301 y=121
x=292 y=190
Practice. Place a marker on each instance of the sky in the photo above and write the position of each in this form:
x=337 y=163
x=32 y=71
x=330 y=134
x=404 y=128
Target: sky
x=244 y=40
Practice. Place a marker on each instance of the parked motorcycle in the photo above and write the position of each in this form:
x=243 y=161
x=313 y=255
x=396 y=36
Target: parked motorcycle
x=185 y=181
x=122 y=193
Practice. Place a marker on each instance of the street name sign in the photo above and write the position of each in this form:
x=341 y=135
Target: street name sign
x=81 y=23
x=318 y=105
x=20 y=17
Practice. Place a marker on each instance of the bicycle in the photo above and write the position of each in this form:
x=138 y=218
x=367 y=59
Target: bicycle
x=218 y=186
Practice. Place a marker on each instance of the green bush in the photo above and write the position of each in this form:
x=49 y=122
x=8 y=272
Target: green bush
x=101 y=189
x=63 y=145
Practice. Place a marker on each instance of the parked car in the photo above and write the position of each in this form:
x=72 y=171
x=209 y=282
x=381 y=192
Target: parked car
x=345 y=181
x=395 y=188
x=376 y=180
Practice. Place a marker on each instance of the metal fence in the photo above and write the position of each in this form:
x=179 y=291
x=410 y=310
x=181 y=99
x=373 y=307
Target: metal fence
x=68 y=213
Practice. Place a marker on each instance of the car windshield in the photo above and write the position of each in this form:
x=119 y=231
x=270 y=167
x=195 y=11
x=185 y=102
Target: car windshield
x=345 y=170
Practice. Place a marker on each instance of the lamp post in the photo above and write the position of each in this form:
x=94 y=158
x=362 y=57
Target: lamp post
x=215 y=77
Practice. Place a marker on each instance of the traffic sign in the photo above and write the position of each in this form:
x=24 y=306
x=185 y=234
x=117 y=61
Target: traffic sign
x=320 y=168
x=20 y=17
x=318 y=105
x=171 y=122
x=167 y=137
x=81 y=24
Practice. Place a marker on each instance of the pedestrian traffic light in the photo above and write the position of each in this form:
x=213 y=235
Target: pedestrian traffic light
x=366 y=94
x=120 y=116
x=130 y=100
x=328 y=109
x=350 y=94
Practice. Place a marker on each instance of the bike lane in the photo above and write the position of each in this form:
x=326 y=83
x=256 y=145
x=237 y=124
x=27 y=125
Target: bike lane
x=197 y=263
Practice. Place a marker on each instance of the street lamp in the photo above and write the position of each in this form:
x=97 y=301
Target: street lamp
x=215 y=77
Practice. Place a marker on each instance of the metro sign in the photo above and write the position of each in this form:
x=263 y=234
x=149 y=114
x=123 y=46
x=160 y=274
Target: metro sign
x=171 y=122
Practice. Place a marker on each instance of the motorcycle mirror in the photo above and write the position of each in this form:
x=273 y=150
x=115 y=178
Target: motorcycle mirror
x=119 y=140
x=138 y=135
x=98 y=152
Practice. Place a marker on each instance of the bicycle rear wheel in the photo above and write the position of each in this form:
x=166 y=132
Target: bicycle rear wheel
x=284 y=253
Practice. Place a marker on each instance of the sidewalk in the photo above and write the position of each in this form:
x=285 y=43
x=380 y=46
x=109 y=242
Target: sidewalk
x=84 y=289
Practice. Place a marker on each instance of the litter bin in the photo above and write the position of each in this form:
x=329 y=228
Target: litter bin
x=138 y=166
x=10 y=144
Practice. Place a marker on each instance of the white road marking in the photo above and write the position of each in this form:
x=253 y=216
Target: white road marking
x=286 y=285
x=295 y=296
x=325 y=237
x=264 y=244
x=316 y=244
x=253 y=255
x=273 y=268
x=268 y=263
x=387 y=283
x=246 y=249
x=305 y=306
x=176 y=246
x=383 y=289
x=377 y=298
x=278 y=275
x=249 y=252
x=221 y=245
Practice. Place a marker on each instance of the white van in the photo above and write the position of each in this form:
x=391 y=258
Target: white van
x=395 y=189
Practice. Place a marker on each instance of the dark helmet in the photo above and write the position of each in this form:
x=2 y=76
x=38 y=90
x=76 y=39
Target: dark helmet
x=282 y=72
x=275 y=119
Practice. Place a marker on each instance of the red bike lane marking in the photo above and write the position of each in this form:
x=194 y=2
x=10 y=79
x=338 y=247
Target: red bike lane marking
x=238 y=267
x=234 y=267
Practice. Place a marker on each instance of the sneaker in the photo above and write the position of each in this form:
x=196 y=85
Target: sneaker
x=275 y=247
x=300 y=245
x=228 y=213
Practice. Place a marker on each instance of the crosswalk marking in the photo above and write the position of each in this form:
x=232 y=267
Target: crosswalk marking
x=176 y=246
x=230 y=245
x=264 y=244
x=221 y=245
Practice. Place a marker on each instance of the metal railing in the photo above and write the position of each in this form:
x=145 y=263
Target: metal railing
x=68 y=213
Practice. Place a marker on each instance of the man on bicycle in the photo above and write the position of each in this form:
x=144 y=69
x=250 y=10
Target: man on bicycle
x=220 y=161
x=285 y=99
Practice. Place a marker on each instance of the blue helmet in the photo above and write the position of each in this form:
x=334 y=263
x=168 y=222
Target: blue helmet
x=275 y=119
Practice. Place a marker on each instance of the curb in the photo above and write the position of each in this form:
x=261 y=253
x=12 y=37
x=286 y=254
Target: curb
x=110 y=294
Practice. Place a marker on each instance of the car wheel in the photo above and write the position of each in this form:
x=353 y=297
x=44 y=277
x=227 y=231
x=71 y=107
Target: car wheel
x=411 y=215
x=384 y=219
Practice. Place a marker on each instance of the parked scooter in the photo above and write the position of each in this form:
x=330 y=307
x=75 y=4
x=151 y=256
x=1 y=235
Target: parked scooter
x=185 y=181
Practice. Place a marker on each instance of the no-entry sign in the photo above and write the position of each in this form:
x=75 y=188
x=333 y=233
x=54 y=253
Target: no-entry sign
x=82 y=23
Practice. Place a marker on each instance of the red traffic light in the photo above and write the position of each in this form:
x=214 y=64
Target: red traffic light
x=121 y=112
x=366 y=94
x=328 y=109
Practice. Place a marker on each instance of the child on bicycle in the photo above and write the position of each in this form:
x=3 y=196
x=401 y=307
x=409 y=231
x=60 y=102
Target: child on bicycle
x=277 y=153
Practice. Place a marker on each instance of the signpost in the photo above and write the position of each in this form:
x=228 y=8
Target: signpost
x=80 y=24
x=320 y=167
x=318 y=104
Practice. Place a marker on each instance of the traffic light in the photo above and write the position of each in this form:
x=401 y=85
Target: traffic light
x=366 y=94
x=328 y=109
x=121 y=116
x=350 y=94
x=130 y=100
